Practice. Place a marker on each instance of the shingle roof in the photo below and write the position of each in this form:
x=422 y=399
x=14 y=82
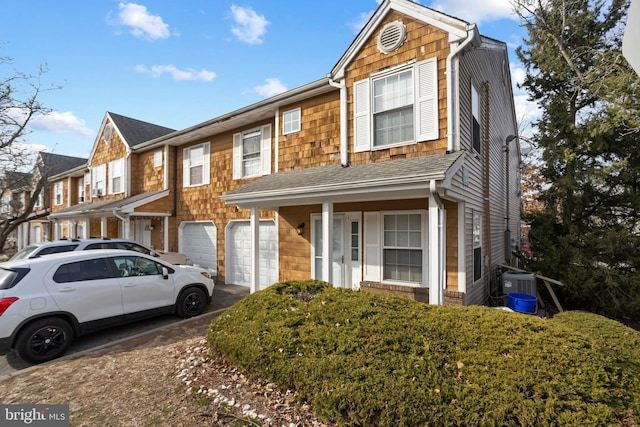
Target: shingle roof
x=136 y=131
x=53 y=164
x=335 y=178
x=107 y=206
x=16 y=181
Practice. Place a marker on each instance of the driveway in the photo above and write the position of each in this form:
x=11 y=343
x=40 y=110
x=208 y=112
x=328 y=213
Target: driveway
x=164 y=329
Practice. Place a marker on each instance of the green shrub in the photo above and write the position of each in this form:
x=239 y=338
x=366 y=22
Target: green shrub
x=363 y=359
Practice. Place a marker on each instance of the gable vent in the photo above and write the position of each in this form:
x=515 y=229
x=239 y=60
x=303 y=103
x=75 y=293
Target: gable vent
x=392 y=37
x=108 y=133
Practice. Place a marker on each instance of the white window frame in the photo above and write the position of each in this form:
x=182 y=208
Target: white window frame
x=424 y=76
x=82 y=197
x=475 y=117
x=192 y=159
x=373 y=247
x=157 y=158
x=265 y=152
x=477 y=244
x=291 y=121
x=98 y=178
x=58 y=197
x=116 y=171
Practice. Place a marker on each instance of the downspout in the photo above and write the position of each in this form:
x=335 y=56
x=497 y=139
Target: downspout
x=344 y=147
x=452 y=87
x=437 y=276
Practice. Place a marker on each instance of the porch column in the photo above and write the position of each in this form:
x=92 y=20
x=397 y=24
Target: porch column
x=254 y=225
x=436 y=249
x=327 y=242
x=103 y=227
x=72 y=229
x=165 y=238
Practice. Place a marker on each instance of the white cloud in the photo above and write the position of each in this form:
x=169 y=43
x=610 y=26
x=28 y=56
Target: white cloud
x=176 y=73
x=250 y=27
x=140 y=22
x=475 y=12
x=270 y=88
x=58 y=122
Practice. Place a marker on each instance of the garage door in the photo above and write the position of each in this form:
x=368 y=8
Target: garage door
x=239 y=253
x=198 y=242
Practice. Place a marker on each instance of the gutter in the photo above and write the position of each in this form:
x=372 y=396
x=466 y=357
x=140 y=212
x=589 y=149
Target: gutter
x=344 y=148
x=473 y=39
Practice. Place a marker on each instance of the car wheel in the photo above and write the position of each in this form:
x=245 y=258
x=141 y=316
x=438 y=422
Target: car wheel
x=44 y=340
x=191 y=302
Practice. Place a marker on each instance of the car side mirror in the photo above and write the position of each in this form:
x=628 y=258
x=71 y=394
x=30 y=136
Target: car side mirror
x=165 y=273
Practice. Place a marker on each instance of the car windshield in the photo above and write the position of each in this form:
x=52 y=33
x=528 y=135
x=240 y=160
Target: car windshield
x=25 y=253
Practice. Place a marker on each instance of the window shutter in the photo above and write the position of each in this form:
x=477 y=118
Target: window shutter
x=361 y=117
x=237 y=156
x=265 y=151
x=372 y=247
x=186 y=174
x=427 y=99
x=206 y=170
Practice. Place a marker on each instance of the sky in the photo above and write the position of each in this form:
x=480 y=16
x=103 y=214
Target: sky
x=180 y=63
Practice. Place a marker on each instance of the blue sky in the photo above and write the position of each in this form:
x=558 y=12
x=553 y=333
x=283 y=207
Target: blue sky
x=177 y=64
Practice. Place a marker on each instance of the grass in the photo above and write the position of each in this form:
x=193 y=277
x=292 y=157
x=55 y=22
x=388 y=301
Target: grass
x=364 y=359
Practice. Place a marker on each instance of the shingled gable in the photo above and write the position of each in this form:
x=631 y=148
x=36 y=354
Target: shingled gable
x=361 y=182
x=52 y=164
x=135 y=131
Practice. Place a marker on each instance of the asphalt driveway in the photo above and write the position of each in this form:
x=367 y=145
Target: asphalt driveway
x=164 y=329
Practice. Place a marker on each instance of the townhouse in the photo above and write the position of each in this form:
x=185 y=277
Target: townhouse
x=397 y=172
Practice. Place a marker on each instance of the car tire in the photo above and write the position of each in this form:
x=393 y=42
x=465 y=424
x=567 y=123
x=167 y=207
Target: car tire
x=191 y=302
x=44 y=340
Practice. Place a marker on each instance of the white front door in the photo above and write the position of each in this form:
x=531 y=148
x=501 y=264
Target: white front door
x=143 y=232
x=346 y=254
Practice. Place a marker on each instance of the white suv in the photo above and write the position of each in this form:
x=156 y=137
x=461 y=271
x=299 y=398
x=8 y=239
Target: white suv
x=47 y=248
x=46 y=302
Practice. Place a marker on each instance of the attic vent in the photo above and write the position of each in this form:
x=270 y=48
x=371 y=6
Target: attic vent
x=108 y=133
x=392 y=37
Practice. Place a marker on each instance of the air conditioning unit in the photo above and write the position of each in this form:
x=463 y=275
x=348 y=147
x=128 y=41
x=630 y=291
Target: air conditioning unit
x=96 y=192
x=522 y=283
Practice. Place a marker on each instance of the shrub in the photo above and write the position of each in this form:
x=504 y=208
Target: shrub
x=364 y=359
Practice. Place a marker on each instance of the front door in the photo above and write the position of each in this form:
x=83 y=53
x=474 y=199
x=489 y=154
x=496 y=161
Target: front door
x=143 y=232
x=346 y=253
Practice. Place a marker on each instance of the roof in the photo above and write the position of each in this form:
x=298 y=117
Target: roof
x=127 y=205
x=136 y=131
x=53 y=164
x=16 y=181
x=391 y=179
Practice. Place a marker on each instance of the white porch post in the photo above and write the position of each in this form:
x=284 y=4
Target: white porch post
x=436 y=249
x=327 y=242
x=72 y=229
x=103 y=226
x=165 y=239
x=254 y=224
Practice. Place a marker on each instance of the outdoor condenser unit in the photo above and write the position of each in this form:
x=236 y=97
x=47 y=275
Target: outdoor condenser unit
x=523 y=283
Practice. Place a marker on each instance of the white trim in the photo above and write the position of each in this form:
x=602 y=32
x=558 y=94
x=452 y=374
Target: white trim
x=298 y=119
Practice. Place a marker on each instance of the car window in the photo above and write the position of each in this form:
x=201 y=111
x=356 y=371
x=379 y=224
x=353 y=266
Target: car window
x=101 y=245
x=24 y=254
x=57 y=249
x=130 y=246
x=9 y=277
x=137 y=266
x=91 y=269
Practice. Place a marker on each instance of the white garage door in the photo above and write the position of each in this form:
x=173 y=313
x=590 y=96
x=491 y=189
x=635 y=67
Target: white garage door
x=198 y=242
x=239 y=254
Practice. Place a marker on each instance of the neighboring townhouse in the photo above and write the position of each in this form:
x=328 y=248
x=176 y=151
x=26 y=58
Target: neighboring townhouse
x=397 y=173
x=118 y=192
x=38 y=226
x=15 y=196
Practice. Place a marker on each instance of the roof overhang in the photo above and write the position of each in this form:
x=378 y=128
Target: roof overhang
x=388 y=180
x=124 y=206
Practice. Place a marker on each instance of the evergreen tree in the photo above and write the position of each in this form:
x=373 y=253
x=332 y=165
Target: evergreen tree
x=588 y=235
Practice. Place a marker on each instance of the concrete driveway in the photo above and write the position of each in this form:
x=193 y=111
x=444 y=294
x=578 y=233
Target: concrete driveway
x=165 y=329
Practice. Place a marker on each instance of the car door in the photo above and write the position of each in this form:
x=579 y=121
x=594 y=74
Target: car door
x=87 y=288
x=143 y=285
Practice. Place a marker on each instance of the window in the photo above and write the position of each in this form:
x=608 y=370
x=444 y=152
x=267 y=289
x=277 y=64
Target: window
x=137 y=266
x=98 y=176
x=475 y=112
x=477 y=247
x=157 y=159
x=81 y=190
x=291 y=121
x=402 y=248
x=397 y=107
x=252 y=153
x=93 y=269
x=57 y=191
x=196 y=165
x=116 y=176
